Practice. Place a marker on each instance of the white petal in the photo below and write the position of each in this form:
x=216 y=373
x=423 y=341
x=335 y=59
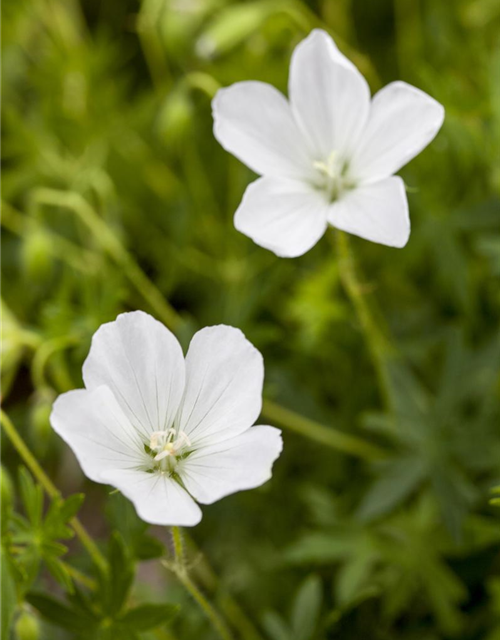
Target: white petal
x=330 y=98
x=253 y=121
x=285 y=216
x=100 y=434
x=376 y=212
x=403 y=120
x=141 y=361
x=243 y=462
x=224 y=377
x=157 y=498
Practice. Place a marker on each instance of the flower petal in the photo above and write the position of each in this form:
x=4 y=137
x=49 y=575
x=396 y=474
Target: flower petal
x=224 y=377
x=330 y=98
x=403 y=120
x=285 y=216
x=243 y=462
x=100 y=434
x=376 y=212
x=157 y=498
x=141 y=361
x=253 y=121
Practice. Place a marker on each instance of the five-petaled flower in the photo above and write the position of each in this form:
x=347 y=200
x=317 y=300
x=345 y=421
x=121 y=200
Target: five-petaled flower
x=164 y=429
x=328 y=155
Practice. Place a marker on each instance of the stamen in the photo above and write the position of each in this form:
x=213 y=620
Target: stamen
x=167 y=443
x=335 y=179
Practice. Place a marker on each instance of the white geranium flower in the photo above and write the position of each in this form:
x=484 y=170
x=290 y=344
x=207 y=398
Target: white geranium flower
x=326 y=156
x=163 y=429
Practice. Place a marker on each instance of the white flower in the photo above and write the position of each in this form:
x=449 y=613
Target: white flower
x=164 y=429
x=328 y=155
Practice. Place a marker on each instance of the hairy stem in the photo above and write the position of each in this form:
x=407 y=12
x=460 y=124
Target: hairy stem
x=180 y=570
x=231 y=608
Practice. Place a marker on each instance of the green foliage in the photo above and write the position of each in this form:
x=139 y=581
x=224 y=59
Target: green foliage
x=107 y=105
x=103 y=613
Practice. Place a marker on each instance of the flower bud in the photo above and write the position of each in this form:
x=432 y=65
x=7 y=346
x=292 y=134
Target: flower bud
x=27 y=627
x=36 y=256
x=176 y=115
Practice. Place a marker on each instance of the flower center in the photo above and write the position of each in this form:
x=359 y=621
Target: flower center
x=333 y=176
x=166 y=447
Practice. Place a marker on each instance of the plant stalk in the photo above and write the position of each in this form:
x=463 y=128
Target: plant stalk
x=180 y=570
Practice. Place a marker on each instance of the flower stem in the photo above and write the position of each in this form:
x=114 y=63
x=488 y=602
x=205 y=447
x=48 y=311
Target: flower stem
x=379 y=344
x=325 y=435
x=112 y=245
x=180 y=570
x=231 y=608
x=49 y=487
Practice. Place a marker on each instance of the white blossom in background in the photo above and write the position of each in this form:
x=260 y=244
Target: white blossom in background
x=165 y=430
x=328 y=154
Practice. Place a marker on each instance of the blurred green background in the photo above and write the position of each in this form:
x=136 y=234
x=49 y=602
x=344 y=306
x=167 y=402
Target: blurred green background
x=110 y=167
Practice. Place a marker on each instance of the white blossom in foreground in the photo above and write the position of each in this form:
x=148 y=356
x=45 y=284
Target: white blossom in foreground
x=165 y=430
x=326 y=156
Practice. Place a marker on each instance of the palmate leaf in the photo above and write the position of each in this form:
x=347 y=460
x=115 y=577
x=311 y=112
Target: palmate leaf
x=62 y=615
x=397 y=480
x=438 y=435
x=399 y=559
x=37 y=537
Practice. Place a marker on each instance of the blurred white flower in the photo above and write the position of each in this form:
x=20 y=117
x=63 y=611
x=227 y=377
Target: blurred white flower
x=164 y=429
x=328 y=154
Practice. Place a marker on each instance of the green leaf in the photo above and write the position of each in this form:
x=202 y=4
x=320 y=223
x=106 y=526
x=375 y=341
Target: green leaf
x=306 y=608
x=149 y=616
x=59 y=572
x=58 y=613
x=32 y=497
x=60 y=511
x=121 y=574
x=8 y=594
x=398 y=479
x=275 y=626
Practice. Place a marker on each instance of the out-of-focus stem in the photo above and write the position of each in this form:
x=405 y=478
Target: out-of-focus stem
x=376 y=337
x=328 y=436
x=110 y=243
x=49 y=487
x=180 y=570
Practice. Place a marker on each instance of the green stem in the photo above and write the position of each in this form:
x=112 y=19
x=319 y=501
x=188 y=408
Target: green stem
x=180 y=570
x=49 y=487
x=325 y=435
x=378 y=342
x=110 y=243
x=232 y=610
